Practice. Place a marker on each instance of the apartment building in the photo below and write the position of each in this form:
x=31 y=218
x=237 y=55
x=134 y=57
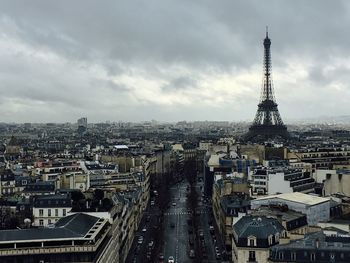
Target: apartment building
x=48 y=209
x=75 y=238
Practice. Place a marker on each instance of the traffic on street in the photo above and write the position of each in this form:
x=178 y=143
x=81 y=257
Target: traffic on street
x=183 y=232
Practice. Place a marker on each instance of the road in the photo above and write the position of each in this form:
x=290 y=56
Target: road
x=150 y=222
x=176 y=237
x=206 y=220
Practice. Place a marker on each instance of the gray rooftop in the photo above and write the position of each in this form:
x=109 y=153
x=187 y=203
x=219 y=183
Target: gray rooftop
x=70 y=227
x=260 y=227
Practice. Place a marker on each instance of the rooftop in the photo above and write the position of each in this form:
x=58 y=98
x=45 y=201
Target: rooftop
x=75 y=226
x=297 y=197
x=260 y=227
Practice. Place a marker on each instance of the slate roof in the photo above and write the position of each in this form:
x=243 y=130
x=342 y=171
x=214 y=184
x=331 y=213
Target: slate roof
x=260 y=227
x=70 y=227
x=41 y=186
x=325 y=242
x=58 y=200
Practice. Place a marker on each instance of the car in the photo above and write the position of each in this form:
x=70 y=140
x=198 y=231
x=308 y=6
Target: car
x=174 y=203
x=151 y=244
x=218 y=255
x=192 y=254
x=171 y=259
x=148 y=218
x=144 y=229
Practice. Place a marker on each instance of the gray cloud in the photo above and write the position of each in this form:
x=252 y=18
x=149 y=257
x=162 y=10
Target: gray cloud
x=170 y=60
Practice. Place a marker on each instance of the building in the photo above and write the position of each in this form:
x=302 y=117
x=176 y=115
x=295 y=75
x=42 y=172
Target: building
x=317 y=247
x=39 y=188
x=75 y=238
x=295 y=223
x=281 y=180
x=253 y=236
x=48 y=209
x=214 y=168
x=230 y=201
x=336 y=181
x=321 y=157
x=316 y=208
x=7 y=182
x=82 y=125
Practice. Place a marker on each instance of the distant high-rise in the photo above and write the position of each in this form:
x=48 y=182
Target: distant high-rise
x=82 y=125
x=267 y=122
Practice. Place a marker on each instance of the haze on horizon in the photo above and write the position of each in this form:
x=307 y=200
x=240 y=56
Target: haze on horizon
x=171 y=60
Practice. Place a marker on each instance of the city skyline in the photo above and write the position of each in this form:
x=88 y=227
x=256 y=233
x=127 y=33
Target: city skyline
x=171 y=61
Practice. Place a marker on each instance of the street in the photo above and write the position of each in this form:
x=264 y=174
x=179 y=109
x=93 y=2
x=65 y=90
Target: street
x=176 y=236
x=177 y=230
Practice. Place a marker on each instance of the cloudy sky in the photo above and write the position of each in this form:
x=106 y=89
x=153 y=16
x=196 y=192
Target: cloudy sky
x=171 y=60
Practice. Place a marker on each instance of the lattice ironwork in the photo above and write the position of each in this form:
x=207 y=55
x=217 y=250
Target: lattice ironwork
x=267 y=121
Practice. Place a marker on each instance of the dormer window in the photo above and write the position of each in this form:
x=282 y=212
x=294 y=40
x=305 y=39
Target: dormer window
x=277 y=237
x=252 y=241
x=270 y=240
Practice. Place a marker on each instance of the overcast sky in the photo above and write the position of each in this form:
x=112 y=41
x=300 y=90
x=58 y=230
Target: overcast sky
x=171 y=60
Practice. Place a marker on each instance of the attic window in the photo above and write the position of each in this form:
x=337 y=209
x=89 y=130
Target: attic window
x=293 y=256
x=252 y=241
x=312 y=257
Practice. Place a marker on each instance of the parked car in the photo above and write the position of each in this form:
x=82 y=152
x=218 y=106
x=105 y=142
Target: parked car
x=171 y=259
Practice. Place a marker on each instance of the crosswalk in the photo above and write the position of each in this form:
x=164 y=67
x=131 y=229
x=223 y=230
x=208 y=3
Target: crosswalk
x=183 y=213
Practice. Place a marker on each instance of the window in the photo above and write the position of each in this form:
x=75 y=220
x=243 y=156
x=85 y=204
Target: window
x=49 y=221
x=41 y=212
x=56 y=212
x=312 y=256
x=293 y=256
x=280 y=255
x=251 y=256
x=41 y=222
x=48 y=212
x=64 y=212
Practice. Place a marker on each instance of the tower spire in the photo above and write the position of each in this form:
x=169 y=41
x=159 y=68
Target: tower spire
x=267 y=32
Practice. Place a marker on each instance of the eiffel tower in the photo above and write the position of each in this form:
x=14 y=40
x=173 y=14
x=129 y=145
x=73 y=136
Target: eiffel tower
x=267 y=122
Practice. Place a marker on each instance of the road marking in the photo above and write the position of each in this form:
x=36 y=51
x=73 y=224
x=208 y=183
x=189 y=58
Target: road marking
x=182 y=213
